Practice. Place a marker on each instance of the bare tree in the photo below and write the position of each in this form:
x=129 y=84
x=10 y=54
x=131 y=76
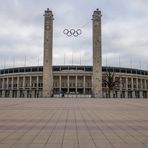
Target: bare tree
x=110 y=81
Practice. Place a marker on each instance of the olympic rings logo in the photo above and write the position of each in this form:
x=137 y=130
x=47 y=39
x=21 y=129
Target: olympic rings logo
x=72 y=32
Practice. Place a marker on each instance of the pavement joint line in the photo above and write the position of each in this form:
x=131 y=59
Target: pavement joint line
x=102 y=131
x=22 y=136
x=88 y=129
x=76 y=128
x=64 y=129
x=111 y=130
x=42 y=128
x=131 y=127
x=12 y=133
x=52 y=130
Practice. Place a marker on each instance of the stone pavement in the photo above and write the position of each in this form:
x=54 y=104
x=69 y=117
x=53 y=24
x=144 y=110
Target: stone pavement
x=73 y=123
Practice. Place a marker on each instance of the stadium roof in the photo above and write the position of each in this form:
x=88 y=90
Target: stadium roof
x=72 y=68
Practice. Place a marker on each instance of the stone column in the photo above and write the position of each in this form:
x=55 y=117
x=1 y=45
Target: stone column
x=145 y=84
x=24 y=92
x=137 y=84
x=118 y=94
x=76 y=83
x=11 y=89
x=146 y=88
x=141 y=89
x=47 y=63
x=30 y=81
x=3 y=88
x=23 y=83
x=136 y=88
x=30 y=86
x=120 y=87
x=12 y=83
x=111 y=94
x=37 y=86
x=24 y=87
x=84 y=80
x=18 y=91
x=126 y=87
x=60 y=88
x=97 y=55
x=68 y=84
x=141 y=94
x=7 y=85
x=133 y=90
x=33 y=94
x=37 y=82
x=10 y=94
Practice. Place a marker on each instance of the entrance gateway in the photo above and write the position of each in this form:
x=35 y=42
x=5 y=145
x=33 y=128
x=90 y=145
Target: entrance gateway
x=70 y=84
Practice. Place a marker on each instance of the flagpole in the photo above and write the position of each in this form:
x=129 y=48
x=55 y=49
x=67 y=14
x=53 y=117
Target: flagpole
x=13 y=62
x=64 y=58
x=80 y=59
x=72 y=59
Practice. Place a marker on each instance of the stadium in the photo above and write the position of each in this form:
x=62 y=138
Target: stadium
x=73 y=81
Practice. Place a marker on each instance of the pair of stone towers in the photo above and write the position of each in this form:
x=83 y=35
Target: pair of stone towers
x=97 y=55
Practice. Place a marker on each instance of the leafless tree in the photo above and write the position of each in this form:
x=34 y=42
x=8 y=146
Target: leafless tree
x=110 y=81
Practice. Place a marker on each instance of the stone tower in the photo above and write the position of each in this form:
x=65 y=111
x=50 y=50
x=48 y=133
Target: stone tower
x=47 y=62
x=97 y=55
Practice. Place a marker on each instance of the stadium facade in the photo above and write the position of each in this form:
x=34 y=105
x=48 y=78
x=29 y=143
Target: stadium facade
x=71 y=81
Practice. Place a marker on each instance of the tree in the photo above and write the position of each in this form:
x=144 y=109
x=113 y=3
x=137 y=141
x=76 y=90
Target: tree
x=110 y=81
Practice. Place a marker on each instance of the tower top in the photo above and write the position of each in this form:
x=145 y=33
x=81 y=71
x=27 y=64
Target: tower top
x=48 y=13
x=97 y=12
x=97 y=15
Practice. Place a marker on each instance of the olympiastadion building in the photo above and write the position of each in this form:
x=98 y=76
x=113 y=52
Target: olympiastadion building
x=73 y=81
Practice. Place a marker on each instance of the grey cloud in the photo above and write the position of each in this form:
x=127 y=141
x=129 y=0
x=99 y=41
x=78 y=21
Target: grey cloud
x=124 y=31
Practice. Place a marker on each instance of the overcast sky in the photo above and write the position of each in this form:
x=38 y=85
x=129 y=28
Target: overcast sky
x=124 y=32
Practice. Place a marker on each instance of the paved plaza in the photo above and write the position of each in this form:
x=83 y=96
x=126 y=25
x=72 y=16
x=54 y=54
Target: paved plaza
x=73 y=123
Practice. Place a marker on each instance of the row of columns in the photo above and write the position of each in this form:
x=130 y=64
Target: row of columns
x=76 y=84
x=16 y=87
x=20 y=93
x=19 y=85
x=9 y=83
x=143 y=86
x=126 y=94
x=127 y=88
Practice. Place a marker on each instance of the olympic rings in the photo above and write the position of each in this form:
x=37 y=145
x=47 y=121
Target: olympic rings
x=72 y=32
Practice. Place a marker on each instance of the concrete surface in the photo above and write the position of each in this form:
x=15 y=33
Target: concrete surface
x=73 y=123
